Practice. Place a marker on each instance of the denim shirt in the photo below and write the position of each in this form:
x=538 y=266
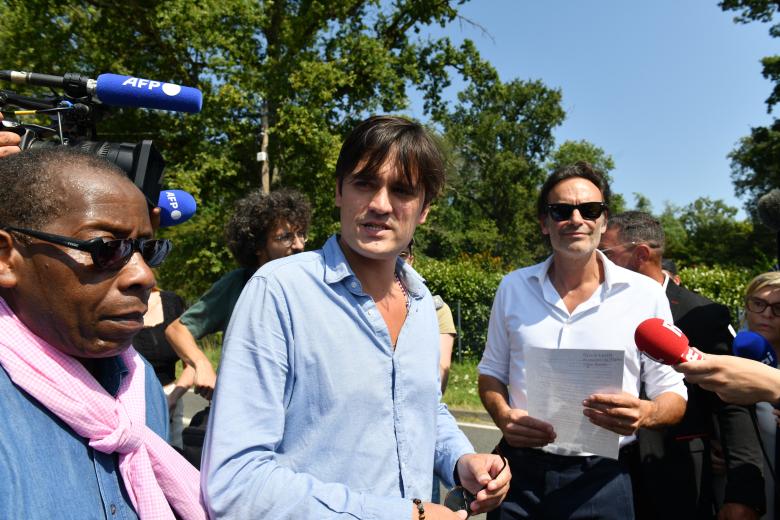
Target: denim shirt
x=49 y=471
x=315 y=414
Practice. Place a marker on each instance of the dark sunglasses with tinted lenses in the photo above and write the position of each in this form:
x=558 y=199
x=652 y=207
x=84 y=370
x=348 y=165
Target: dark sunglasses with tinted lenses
x=108 y=254
x=588 y=210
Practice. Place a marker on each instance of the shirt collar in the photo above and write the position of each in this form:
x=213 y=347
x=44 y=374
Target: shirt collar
x=614 y=276
x=338 y=269
x=110 y=372
x=336 y=266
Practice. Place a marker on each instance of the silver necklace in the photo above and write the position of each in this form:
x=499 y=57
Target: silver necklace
x=403 y=291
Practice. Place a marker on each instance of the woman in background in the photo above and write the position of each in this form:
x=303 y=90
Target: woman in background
x=162 y=309
x=762 y=315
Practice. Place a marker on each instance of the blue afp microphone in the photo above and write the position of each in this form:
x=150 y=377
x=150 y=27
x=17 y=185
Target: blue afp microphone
x=751 y=345
x=116 y=90
x=129 y=91
x=176 y=206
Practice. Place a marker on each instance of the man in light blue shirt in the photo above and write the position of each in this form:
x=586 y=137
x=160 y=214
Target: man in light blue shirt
x=328 y=402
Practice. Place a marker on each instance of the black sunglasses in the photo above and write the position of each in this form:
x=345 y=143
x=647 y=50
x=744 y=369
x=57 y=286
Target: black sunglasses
x=460 y=498
x=588 y=210
x=108 y=254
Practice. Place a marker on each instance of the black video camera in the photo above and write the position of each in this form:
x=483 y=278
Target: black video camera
x=74 y=116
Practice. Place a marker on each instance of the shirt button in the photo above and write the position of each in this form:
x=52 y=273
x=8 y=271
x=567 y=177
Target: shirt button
x=353 y=285
x=113 y=509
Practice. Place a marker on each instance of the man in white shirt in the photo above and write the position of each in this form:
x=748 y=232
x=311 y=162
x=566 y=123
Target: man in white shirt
x=577 y=298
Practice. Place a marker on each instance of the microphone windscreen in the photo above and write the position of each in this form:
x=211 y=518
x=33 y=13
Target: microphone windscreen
x=176 y=206
x=769 y=210
x=128 y=91
x=661 y=341
x=752 y=345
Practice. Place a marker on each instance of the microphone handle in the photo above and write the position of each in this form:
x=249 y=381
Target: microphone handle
x=31 y=78
x=75 y=85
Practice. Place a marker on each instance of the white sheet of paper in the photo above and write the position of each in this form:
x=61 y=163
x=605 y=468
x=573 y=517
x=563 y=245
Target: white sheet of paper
x=558 y=380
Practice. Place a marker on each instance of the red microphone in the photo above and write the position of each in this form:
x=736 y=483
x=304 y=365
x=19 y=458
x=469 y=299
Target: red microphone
x=664 y=343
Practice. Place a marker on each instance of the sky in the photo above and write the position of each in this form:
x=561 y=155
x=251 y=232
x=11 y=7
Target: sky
x=667 y=87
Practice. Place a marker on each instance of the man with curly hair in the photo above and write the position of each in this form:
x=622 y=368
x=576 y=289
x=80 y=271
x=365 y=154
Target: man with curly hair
x=263 y=227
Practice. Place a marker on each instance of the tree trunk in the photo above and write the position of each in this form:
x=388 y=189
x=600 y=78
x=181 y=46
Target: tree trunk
x=265 y=172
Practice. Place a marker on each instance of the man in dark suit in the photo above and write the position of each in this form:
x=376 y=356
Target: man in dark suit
x=674 y=476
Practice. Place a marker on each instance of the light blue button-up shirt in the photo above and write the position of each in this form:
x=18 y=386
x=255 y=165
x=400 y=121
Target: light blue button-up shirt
x=315 y=415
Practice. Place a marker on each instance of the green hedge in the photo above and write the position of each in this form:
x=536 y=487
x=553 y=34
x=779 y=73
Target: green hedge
x=472 y=281
x=724 y=285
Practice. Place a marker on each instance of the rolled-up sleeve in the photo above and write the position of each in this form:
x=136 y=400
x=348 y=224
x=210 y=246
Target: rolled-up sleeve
x=495 y=359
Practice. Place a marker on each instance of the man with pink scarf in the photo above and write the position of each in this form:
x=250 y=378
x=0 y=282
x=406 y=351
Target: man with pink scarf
x=84 y=418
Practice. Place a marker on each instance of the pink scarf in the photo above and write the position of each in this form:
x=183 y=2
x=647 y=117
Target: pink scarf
x=155 y=476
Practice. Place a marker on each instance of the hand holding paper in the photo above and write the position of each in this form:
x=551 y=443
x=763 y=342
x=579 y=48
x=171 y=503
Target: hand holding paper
x=621 y=413
x=523 y=431
x=559 y=379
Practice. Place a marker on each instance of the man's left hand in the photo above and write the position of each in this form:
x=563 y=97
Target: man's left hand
x=734 y=511
x=621 y=413
x=481 y=474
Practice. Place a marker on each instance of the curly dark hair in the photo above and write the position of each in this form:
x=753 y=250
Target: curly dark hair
x=257 y=214
x=32 y=181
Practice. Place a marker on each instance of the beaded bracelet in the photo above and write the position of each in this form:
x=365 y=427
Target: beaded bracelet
x=420 y=508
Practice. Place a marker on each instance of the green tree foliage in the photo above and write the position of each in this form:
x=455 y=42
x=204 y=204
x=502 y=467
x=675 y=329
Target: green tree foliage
x=570 y=152
x=720 y=284
x=760 y=11
x=311 y=69
x=304 y=73
x=618 y=204
x=499 y=135
x=467 y=283
x=706 y=232
x=713 y=234
x=755 y=162
x=676 y=235
x=642 y=203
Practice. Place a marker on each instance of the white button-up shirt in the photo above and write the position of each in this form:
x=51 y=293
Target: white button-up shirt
x=529 y=312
